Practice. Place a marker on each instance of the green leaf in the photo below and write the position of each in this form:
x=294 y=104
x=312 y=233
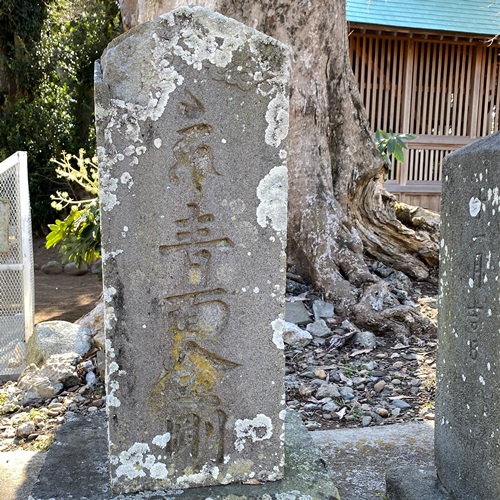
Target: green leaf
x=391 y=146
x=399 y=155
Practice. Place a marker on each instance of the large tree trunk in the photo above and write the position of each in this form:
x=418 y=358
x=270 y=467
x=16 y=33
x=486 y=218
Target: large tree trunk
x=338 y=207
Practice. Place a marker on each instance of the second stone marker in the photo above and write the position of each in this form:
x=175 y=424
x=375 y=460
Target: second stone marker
x=192 y=119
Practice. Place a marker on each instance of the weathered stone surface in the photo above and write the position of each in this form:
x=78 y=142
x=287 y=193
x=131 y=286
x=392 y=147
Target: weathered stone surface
x=192 y=114
x=52 y=267
x=4 y=225
x=296 y=312
x=467 y=438
x=57 y=337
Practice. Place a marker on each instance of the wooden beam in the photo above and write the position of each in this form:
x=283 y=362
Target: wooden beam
x=407 y=106
x=450 y=142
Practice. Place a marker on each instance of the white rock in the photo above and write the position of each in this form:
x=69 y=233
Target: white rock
x=48 y=381
x=294 y=335
x=57 y=337
x=62 y=368
x=37 y=385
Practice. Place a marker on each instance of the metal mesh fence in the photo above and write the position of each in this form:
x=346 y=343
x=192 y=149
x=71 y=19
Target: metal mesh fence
x=16 y=266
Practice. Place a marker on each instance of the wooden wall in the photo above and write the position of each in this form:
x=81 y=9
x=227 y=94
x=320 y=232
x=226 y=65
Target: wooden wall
x=444 y=90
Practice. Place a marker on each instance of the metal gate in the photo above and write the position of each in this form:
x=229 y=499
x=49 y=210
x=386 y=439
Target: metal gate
x=16 y=265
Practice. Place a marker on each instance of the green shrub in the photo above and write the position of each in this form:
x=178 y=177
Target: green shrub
x=78 y=234
x=48 y=48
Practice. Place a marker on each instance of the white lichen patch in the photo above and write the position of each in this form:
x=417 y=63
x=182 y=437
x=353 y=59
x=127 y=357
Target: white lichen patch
x=129 y=150
x=208 y=471
x=110 y=255
x=109 y=317
x=111 y=399
x=162 y=439
x=272 y=193
x=259 y=428
x=126 y=178
x=157 y=143
x=113 y=367
x=132 y=461
x=138 y=462
x=277 y=120
x=158 y=471
x=109 y=349
x=474 y=206
x=108 y=186
x=278 y=327
x=493 y=196
x=108 y=293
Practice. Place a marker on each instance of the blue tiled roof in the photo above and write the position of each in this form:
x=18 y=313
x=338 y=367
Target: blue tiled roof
x=480 y=17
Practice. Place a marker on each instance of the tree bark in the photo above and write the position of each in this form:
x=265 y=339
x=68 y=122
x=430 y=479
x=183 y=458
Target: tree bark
x=338 y=207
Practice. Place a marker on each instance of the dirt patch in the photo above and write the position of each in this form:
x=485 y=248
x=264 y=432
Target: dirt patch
x=61 y=296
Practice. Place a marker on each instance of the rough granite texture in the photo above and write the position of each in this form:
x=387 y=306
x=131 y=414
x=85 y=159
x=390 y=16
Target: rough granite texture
x=192 y=117
x=76 y=468
x=467 y=432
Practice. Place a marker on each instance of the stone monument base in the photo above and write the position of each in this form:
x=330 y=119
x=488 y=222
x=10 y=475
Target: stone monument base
x=412 y=483
x=76 y=467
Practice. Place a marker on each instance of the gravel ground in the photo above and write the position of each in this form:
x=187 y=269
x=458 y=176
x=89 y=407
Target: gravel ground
x=352 y=385
x=333 y=381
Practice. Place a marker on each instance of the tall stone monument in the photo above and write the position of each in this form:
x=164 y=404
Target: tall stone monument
x=192 y=119
x=467 y=428
x=467 y=432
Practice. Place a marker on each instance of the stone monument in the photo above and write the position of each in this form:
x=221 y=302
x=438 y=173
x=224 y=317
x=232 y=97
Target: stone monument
x=192 y=119
x=467 y=433
x=467 y=429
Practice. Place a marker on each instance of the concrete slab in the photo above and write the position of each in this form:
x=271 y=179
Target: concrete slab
x=359 y=458
x=18 y=472
x=76 y=468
